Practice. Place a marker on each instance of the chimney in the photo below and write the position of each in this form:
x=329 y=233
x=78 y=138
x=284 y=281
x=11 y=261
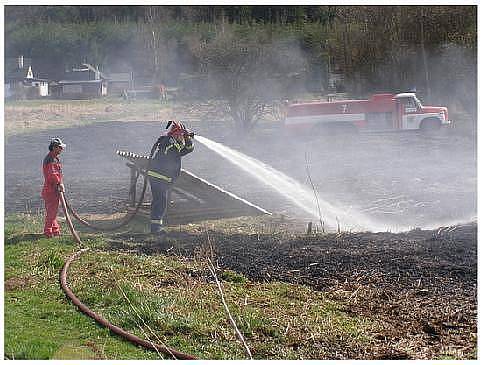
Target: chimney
x=20 y=62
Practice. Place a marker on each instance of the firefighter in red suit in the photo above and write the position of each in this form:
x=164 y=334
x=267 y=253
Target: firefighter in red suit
x=52 y=170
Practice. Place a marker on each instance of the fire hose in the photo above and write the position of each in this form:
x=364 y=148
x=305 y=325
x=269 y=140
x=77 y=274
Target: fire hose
x=128 y=217
x=86 y=310
x=126 y=220
x=99 y=319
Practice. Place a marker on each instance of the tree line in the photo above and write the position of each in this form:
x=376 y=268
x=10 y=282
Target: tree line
x=241 y=14
x=319 y=49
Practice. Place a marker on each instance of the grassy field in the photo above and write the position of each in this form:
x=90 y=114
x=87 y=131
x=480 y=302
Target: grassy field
x=33 y=115
x=167 y=299
x=27 y=116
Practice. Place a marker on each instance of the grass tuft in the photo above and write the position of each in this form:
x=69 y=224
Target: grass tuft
x=233 y=277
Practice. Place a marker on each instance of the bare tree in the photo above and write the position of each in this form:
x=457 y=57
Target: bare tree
x=249 y=73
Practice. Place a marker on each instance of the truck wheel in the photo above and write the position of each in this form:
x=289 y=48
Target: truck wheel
x=430 y=125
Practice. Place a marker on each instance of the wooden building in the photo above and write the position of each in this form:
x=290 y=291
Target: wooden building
x=83 y=82
x=81 y=89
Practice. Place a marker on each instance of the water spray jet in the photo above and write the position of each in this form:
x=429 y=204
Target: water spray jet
x=294 y=191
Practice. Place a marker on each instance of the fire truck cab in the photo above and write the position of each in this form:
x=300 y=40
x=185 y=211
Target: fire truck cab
x=382 y=112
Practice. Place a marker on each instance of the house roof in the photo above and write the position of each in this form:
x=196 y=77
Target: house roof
x=95 y=70
x=404 y=95
x=16 y=75
x=36 y=79
x=20 y=74
x=72 y=82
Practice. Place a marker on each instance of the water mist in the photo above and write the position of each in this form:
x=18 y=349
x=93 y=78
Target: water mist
x=300 y=195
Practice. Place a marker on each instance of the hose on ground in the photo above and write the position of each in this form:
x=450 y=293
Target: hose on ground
x=99 y=319
x=129 y=216
x=126 y=220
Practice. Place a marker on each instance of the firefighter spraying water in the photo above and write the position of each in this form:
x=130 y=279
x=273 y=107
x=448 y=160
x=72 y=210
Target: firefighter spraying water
x=164 y=169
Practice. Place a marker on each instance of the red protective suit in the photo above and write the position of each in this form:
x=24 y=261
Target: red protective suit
x=52 y=170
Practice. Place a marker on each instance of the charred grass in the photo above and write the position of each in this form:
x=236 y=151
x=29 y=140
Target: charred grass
x=292 y=295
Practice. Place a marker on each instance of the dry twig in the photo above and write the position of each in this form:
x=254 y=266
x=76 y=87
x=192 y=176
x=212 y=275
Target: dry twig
x=322 y=224
x=231 y=319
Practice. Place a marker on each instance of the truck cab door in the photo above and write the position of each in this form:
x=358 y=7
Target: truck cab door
x=397 y=117
x=408 y=110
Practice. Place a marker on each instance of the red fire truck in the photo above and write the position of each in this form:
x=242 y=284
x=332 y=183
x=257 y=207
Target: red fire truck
x=381 y=112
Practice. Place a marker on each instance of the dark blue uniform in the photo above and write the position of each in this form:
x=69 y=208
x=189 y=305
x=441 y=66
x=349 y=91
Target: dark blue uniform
x=163 y=171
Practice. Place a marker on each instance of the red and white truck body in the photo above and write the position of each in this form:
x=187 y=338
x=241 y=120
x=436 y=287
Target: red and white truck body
x=381 y=112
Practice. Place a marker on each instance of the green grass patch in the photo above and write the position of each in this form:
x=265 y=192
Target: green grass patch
x=166 y=299
x=234 y=277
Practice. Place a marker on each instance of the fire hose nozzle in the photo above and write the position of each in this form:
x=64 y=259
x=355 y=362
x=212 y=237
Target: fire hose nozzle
x=189 y=134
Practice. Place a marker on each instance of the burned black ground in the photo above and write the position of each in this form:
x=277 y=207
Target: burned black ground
x=419 y=286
